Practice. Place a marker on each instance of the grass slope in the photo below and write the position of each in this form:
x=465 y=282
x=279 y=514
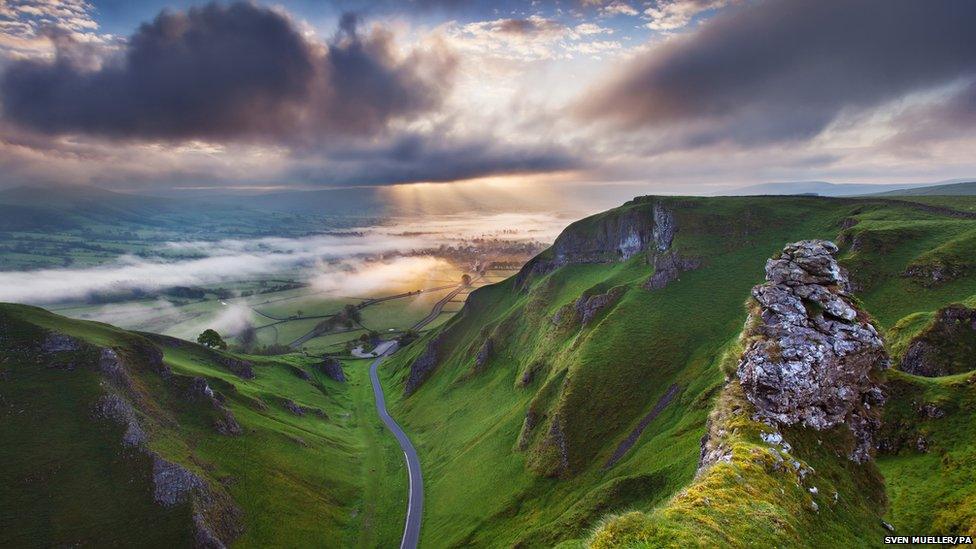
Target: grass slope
x=326 y=480
x=492 y=438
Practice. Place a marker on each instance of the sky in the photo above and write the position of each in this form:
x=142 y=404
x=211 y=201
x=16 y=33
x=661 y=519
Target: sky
x=672 y=95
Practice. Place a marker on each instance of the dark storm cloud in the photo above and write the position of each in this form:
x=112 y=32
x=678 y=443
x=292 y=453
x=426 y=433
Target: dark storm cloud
x=223 y=72
x=528 y=26
x=783 y=70
x=419 y=158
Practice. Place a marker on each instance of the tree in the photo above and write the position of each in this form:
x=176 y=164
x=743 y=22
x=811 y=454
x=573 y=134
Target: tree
x=352 y=312
x=211 y=339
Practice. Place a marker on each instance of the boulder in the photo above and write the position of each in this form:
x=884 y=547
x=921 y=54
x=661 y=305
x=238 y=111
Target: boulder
x=811 y=354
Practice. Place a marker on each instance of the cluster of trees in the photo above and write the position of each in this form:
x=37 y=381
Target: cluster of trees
x=348 y=317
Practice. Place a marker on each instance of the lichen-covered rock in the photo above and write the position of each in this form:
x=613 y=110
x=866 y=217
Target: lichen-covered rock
x=332 y=368
x=423 y=366
x=811 y=355
x=946 y=347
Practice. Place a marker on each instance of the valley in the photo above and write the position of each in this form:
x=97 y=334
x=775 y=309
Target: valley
x=564 y=403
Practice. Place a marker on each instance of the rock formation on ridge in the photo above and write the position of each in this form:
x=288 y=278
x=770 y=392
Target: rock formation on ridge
x=811 y=354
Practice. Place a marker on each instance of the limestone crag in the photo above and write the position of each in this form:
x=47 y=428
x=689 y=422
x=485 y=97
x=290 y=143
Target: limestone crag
x=606 y=239
x=810 y=353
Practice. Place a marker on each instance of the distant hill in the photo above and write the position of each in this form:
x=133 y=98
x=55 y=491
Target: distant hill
x=821 y=188
x=955 y=189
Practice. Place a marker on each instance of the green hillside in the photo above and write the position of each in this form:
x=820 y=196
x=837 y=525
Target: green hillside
x=566 y=405
x=581 y=387
x=950 y=189
x=107 y=432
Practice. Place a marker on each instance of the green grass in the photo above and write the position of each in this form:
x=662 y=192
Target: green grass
x=600 y=380
x=932 y=490
x=298 y=480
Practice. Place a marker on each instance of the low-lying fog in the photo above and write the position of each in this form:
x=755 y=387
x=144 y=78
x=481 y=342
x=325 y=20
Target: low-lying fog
x=355 y=262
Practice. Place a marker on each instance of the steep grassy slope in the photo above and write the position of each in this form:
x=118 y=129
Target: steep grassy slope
x=582 y=386
x=173 y=439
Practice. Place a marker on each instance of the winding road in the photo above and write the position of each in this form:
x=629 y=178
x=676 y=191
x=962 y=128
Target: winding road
x=415 y=500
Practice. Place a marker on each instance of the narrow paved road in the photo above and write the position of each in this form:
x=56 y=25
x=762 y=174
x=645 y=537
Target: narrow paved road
x=415 y=500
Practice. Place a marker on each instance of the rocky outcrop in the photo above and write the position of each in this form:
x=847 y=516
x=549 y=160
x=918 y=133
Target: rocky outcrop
x=300 y=410
x=643 y=228
x=668 y=266
x=59 y=343
x=810 y=354
x=332 y=368
x=485 y=352
x=172 y=483
x=241 y=368
x=946 y=347
x=934 y=274
x=300 y=373
x=587 y=307
x=665 y=226
x=423 y=366
x=116 y=409
x=110 y=365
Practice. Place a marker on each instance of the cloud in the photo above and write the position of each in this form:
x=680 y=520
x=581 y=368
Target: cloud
x=668 y=15
x=437 y=157
x=784 y=70
x=228 y=72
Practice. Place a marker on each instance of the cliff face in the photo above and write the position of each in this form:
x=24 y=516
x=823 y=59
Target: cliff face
x=647 y=228
x=812 y=355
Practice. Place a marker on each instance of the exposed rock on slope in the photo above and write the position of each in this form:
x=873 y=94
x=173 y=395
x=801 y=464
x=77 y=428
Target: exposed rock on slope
x=667 y=267
x=605 y=239
x=421 y=368
x=946 y=347
x=811 y=355
x=332 y=368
